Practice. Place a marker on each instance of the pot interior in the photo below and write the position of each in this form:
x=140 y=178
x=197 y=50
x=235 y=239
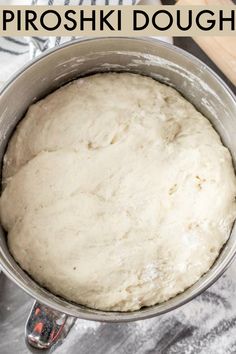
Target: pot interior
x=149 y=57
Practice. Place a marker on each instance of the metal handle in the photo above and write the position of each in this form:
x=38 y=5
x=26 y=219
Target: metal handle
x=45 y=327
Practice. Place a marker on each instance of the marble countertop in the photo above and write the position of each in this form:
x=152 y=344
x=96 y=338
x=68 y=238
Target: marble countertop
x=206 y=325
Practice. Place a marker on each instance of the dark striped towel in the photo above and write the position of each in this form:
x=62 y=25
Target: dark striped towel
x=15 y=52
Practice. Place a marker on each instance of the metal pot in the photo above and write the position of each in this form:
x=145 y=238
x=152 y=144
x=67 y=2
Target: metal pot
x=164 y=62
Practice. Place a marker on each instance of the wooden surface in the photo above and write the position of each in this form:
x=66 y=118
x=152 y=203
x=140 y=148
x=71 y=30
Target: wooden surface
x=221 y=50
x=204 y=2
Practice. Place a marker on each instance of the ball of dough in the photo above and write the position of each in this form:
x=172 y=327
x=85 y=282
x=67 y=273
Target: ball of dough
x=118 y=193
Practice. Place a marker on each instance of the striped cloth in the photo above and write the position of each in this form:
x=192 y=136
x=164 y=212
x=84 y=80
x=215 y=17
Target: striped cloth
x=16 y=51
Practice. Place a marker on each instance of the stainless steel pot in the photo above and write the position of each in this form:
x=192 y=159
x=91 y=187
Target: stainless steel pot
x=151 y=57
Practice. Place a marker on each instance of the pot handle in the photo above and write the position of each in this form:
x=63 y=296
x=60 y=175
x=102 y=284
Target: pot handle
x=46 y=327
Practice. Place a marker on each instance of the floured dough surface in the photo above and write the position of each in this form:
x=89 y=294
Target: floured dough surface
x=119 y=194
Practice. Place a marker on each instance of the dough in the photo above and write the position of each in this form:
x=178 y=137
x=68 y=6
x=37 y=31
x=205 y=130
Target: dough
x=119 y=193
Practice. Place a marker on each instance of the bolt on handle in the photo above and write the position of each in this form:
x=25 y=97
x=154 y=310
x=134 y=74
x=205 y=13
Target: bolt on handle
x=45 y=327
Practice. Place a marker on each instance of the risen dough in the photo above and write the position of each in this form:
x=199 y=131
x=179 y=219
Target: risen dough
x=119 y=194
